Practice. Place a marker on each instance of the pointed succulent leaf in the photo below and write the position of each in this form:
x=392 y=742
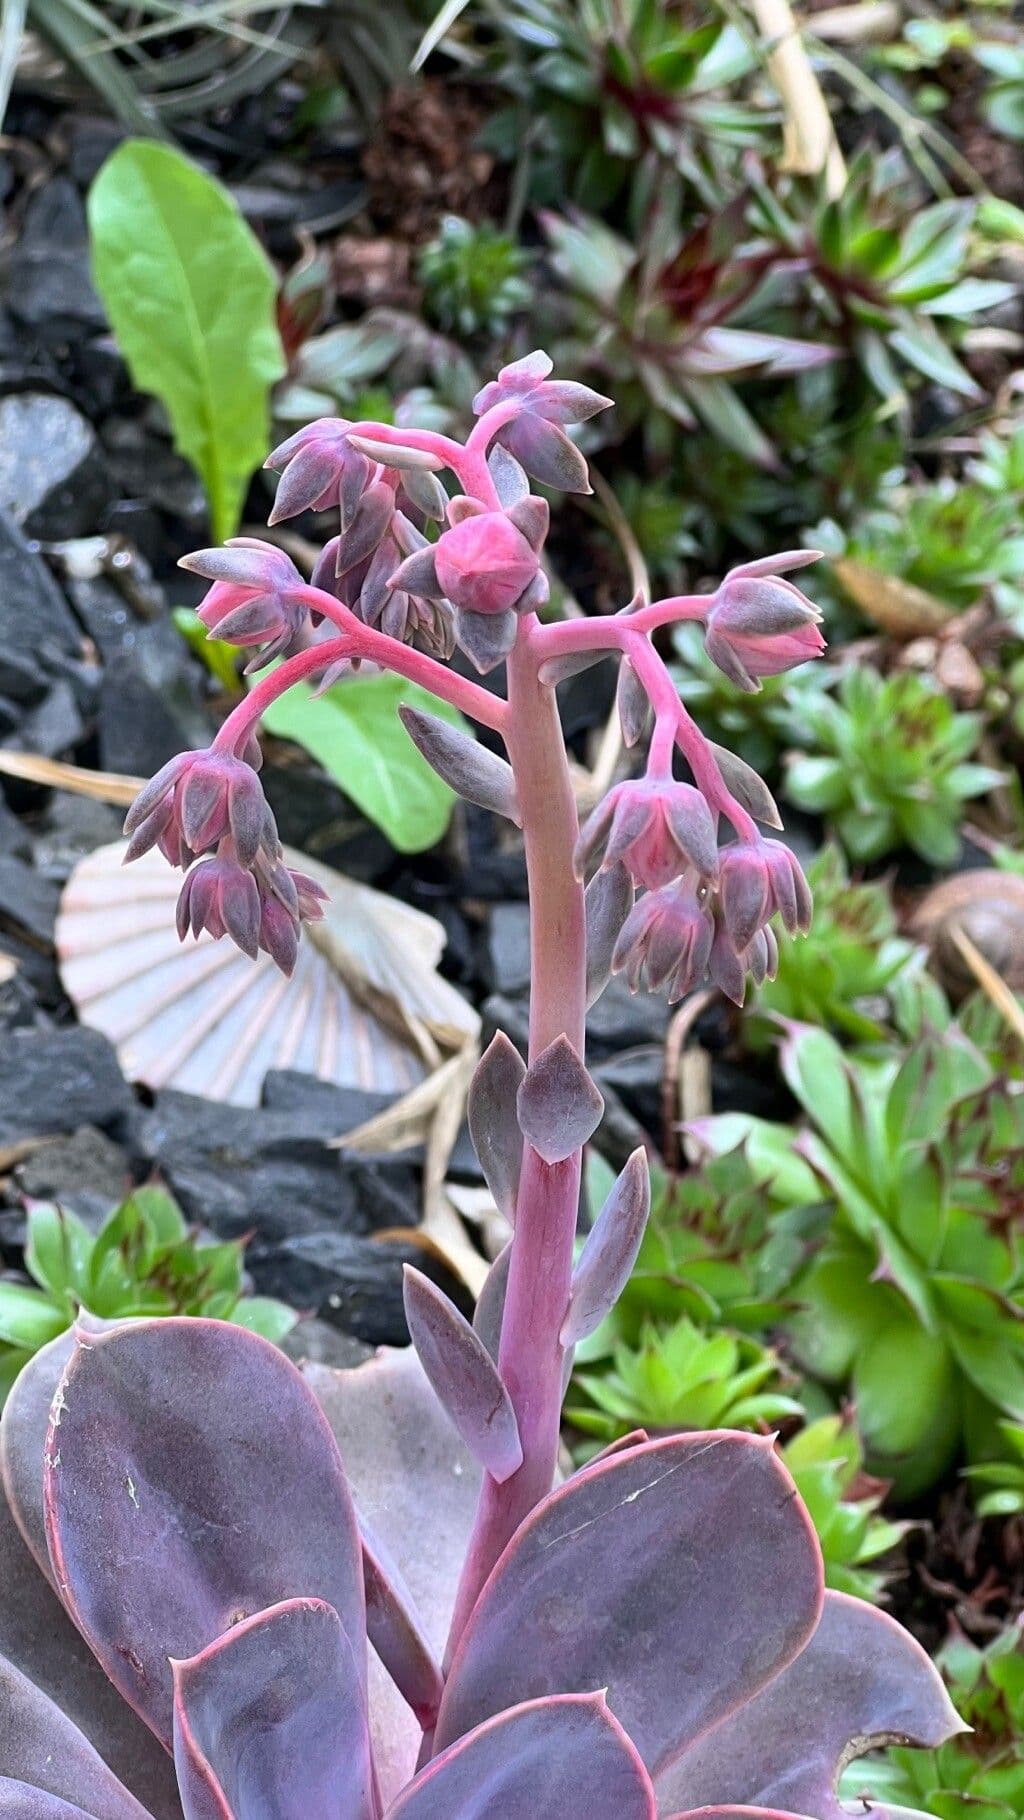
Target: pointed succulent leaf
x=271 y=1719
x=608 y=902
x=467 y=767
x=394 y=1628
x=41 y=1748
x=396 y=455
x=464 y=1376
x=610 y=1251
x=417 y=574
x=485 y=637
x=566 y=1756
x=558 y=1105
x=416 y=1488
x=547 y=454
x=510 y=479
x=426 y=493
x=208 y=1493
x=555 y=670
x=633 y=704
x=649 y=1574
x=749 y=789
x=370 y=521
x=490 y=1303
x=860 y=1682
x=493 y=1126
x=532 y=516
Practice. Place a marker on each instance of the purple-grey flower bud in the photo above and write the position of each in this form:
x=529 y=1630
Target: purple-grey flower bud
x=665 y=941
x=657 y=827
x=759 y=624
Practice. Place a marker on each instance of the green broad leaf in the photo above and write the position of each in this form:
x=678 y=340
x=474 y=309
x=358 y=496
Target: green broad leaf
x=815 y=1069
x=904 y=1382
x=191 y=299
x=28 y=1318
x=355 y=733
x=1000 y=220
x=262 y=1315
x=840 y=1313
x=57 y=1252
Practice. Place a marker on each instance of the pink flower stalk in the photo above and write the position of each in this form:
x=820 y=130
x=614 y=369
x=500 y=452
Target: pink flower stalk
x=383 y=592
x=658 y=829
x=760 y=625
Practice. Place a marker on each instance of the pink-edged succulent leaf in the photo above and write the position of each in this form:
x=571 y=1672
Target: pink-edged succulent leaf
x=416 y=1489
x=41 y=1748
x=493 y=1126
x=270 y=1721
x=396 y=455
x=633 y=704
x=23 y=1430
x=395 y=1629
x=490 y=1304
x=38 y=1638
x=511 y=482
x=610 y=1251
x=609 y=900
x=566 y=1757
x=547 y=454
x=191 y=1481
x=18 y=1801
x=466 y=766
x=681 y=1577
x=464 y=1376
x=558 y=1105
x=749 y=789
x=860 y=1682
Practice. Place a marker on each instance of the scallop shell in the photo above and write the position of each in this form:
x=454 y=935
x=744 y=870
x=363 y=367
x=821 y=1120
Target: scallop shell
x=364 y=1008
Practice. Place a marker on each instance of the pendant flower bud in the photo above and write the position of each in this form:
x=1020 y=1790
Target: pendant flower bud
x=729 y=966
x=759 y=878
x=287 y=899
x=256 y=598
x=319 y=469
x=665 y=941
x=657 y=828
x=487 y=564
x=222 y=897
x=532 y=435
x=759 y=624
x=196 y=800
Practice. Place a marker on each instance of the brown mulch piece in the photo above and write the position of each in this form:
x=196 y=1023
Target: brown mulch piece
x=959 y=1572
x=423 y=161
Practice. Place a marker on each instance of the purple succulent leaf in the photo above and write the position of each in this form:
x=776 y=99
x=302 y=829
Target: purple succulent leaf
x=861 y=1681
x=532 y=516
x=566 y=401
x=41 y=1747
x=749 y=789
x=610 y=1251
x=485 y=637
x=417 y=574
x=369 y=523
x=270 y=1721
x=730 y=1812
x=680 y=1576
x=777 y=565
x=394 y=1627
x=566 y=1756
x=416 y=1488
x=208 y=1492
x=19 y=1801
x=464 y=1376
x=396 y=455
x=23 y=1431
x=608 y=901
x=490 y=1303
x=571 y=663
x=426 y=493
x=633 y=704
x=244 y=562
x=38 y=1638
x=558 y=1105
x=493 y=1126
x=511 y=481
x=546 y=453
x=311 y=474
x=466 y=766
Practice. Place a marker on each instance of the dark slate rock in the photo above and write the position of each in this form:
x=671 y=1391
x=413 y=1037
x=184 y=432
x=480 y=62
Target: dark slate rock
x=317 y=1342
x=69 y=828
x=27 y=901
x=237 y=1170
x=635 y=1078
x=20 y=680
x=52 y=479
x=91 y=139
x=54 y=727
x=508 y=946
x=620 y=1018
x=20 y=1008
x=36 y=623
x=145 y=466
x=46 y=276
x=87 y=1173
x=14 y=837
x=57 y=1080
x=336 y=1110
x=346 y=1279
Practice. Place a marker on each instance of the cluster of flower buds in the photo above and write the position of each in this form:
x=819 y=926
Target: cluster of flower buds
x=486 y=567
x=256 y=600
x=758 y=625
x=207 y=813
x=706 y=911
x=533 y=433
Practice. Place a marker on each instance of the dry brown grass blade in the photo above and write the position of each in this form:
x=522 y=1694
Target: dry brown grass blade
x=992 y=983
x=811 y=143
x=103 y=786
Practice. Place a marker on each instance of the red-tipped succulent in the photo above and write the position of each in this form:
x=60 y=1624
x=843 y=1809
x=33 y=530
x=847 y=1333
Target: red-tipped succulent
x=366 y=1595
